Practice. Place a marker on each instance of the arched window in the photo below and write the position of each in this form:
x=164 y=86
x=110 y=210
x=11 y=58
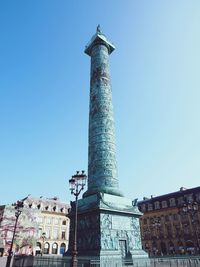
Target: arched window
x=64 y=222
x=38 y=244
x=62 y=248
x=55 y=248
x=163 y=248
x=38 y=248
x=54 y=208
x=181 y=249
x=46 y=248
x=171 y=248
x=190 y=249
x=154 y=248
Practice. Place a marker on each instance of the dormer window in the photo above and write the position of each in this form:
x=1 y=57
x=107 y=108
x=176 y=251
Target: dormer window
x=150 y=207
x=180 y=201
x=198 y=197
x=164 y=204
x=157 y=205
x=54 y=208
x=189 y=198
x=172 y=202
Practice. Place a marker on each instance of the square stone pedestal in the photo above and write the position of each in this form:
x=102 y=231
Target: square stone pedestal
x=107 y=229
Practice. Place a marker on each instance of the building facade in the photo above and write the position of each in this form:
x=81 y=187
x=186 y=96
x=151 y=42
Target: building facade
x=170 y=224
x=43 y=227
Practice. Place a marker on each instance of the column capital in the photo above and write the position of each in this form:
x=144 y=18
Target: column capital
x=99 y=38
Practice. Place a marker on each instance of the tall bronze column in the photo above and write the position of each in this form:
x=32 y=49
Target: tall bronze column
x=108 y=223
x=102 y=163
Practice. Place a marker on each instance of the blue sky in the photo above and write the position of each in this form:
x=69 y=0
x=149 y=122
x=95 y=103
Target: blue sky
x=44 y=94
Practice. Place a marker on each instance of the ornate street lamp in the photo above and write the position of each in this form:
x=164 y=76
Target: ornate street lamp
x=18 y=210
x=192 y=208
x=43 y=237
x=76 y=183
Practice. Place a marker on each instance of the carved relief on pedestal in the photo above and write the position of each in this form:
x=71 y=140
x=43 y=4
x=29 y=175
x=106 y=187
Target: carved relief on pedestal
x=106 y=221
x=109 y=240
x=136 y=232
x=115 y=228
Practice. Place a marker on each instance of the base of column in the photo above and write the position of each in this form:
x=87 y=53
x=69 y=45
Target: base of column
x=108 y=230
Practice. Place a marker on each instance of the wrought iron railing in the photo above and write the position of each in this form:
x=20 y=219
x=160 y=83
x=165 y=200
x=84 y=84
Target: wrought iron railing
x=50 y=261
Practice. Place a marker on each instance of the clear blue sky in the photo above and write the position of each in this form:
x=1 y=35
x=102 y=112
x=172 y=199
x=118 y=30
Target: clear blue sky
x=44 y=94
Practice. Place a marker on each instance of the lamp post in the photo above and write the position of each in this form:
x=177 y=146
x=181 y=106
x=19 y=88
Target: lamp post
x=43 y=237
x=76 y=183
x=18 y=210
x=192 y=209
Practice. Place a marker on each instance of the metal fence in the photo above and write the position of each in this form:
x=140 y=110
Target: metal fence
x=44 y=261
x=158 y=262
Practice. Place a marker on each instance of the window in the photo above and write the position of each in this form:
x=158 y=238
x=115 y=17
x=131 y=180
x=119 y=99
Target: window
x=63 y=236
x=186 y=229
x=151 y=220
x=178 y=230
x=64 y=222
x=198 y=197
x=172 y=202
x=62 y=248
x=56 y=221
x=145 y=221
x=166 y=218
x=48 y=232
x=150 y=207
x=164 y=204
x=55 y=233
x=169 y=230
x=40 y=219
x=54 y=248
x=189 y=197
x=54 y=208
x=180 y=201
x=157 y=205
x=48 y=220
x=46 y=248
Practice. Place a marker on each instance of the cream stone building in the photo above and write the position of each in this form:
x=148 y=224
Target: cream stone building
x=53 y=225
x=42 y=228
